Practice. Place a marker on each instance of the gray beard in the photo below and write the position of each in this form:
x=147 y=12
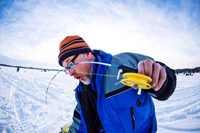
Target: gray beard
x=88 y=79
x=87 y=82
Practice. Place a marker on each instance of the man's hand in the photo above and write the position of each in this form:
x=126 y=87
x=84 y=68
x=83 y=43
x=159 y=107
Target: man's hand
x=153 y=70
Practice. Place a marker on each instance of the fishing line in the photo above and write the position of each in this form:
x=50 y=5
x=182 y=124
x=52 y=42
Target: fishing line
x=88 y=62
x=92 y=62
x=113 y=76
x=50 y=83
x=130 y=75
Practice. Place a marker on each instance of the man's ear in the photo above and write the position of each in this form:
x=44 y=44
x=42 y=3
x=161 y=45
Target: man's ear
x=89 y=55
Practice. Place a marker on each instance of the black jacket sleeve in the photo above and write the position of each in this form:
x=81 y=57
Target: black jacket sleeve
x=169 y=85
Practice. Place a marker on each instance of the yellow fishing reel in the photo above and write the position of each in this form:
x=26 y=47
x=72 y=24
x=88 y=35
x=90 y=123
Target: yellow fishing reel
x=136 y=80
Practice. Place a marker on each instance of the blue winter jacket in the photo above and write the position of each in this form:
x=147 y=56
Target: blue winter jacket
x=119 y=109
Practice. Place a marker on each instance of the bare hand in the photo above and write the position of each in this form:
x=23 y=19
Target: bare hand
x=154 y=70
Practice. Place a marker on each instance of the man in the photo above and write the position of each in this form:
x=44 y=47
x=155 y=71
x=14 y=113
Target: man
x=104 y=104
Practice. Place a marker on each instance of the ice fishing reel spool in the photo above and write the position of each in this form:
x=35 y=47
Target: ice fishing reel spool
x=133 y=79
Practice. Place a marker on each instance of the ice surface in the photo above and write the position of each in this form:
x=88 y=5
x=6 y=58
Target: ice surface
x=181 y=112
x=22 y=101
x=23 y=108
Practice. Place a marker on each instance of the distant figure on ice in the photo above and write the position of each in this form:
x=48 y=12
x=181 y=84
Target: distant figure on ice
x=104 y=105
x=17 y=69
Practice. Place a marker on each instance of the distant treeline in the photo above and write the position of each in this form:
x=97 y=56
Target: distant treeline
x=188 y=70
x=34 y=68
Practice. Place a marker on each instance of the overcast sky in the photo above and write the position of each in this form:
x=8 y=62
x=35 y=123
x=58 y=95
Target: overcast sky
x=168 y=31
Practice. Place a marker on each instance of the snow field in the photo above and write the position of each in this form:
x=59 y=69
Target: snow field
x=22 y=101
x=23 y=108
x=181 y=112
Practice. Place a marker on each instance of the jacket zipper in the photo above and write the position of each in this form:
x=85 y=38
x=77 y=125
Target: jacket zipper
x=132 y=118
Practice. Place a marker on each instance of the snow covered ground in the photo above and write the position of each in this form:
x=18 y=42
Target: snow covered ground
x=23 y=108
x=181 y=112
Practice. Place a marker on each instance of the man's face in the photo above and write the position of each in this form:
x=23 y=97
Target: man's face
x=81 y=72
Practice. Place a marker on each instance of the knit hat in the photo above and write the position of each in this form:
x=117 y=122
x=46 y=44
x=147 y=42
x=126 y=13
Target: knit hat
x=72 y=45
